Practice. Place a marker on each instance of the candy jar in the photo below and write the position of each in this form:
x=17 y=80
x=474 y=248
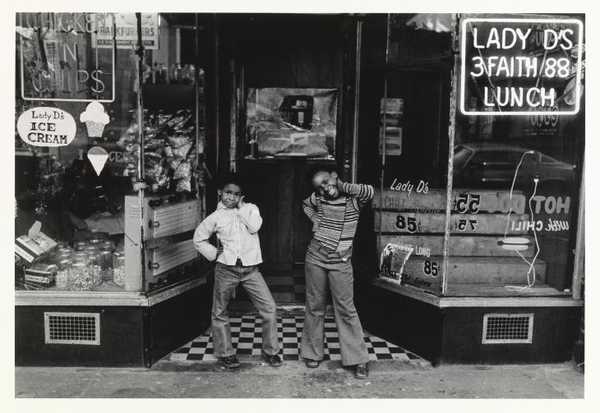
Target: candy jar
x=80 y=277
x=119 y=268
x=63 y=273
x=95 y=265
x=106 y=263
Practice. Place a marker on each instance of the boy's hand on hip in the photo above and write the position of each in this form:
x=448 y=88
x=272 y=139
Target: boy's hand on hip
x=219 y=252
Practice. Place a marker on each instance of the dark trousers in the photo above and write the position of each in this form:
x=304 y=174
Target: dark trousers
x=325 y=270
x=227 y=278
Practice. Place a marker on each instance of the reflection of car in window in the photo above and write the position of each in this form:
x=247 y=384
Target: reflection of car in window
x=493 y=165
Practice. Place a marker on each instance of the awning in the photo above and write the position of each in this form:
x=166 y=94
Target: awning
x=437 y=22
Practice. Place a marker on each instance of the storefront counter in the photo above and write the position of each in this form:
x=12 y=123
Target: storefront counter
x=530 y=327
x=107 y=329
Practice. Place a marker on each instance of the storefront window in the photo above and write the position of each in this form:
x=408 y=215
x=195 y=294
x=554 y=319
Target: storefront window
x=517 y=130
x=518 y=171
x=410 y=206
x=78 y=153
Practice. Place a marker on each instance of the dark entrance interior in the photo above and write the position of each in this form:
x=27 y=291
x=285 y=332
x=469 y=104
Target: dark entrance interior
x=281 y=51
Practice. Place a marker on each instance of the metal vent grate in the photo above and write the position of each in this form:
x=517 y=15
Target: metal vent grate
x=507 y=328
x=72 y=328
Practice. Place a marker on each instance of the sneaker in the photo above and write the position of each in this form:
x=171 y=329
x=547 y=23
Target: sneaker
x=274 y=360
x=361 y=371
x=230 y=362
x=312 y=364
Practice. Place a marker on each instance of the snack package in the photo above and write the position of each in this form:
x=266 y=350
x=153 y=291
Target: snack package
x=183 y=170
x=180 y=145
x=168 y=145
x=155 y=171
x=34 y=245
x=41 y=275
x=184 y=185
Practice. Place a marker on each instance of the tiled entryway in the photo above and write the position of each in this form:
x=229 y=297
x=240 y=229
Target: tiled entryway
x=246 y=335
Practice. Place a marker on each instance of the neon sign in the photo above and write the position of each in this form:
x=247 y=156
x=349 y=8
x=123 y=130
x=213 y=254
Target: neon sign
x=57 y=62
x=521 y=66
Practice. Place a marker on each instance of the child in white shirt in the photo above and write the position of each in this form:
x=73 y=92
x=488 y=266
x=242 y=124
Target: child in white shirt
x=236 y=224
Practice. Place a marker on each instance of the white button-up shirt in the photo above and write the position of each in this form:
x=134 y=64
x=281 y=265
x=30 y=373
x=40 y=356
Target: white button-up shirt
x=236 y=229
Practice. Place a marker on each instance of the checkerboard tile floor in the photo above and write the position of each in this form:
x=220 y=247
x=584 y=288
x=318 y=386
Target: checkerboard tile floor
x=246 y=338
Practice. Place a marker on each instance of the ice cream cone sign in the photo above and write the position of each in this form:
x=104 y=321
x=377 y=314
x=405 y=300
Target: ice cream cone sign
x=97 y=157
x=95 y=119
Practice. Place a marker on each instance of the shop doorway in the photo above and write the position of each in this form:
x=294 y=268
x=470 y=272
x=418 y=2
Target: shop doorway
x=300 y=60
x=279 y=189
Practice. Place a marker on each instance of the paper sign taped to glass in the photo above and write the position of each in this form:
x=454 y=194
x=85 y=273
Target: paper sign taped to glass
x=392 y=261
x=390 y=113
x=292 y=122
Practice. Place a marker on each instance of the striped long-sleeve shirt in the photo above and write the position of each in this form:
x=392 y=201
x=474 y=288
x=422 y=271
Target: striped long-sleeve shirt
x=336 y=220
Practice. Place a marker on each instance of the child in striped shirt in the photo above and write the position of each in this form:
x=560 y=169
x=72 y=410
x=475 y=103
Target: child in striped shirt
x=333 y=208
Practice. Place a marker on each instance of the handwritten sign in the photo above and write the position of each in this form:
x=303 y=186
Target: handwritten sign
x=55 y=59
x=45 y=126
x=521 y=66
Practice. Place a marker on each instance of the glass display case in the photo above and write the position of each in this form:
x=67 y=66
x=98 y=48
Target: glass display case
x=89 y=131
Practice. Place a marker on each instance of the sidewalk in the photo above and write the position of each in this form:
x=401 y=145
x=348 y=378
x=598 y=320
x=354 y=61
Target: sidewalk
x=388 y=379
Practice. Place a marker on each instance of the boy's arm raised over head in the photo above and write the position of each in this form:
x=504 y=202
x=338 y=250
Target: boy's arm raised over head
x=363 y=193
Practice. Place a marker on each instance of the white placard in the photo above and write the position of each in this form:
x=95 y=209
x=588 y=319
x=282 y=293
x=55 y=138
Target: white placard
x=46 y=126
x=126 y=24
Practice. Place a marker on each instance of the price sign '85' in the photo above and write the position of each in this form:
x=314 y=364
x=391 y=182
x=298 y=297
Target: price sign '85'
x=407 y=223
x=431 y=268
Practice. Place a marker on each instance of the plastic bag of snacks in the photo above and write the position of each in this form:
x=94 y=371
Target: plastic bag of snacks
x=180 y=145
x=169 y=155
x=183 y=170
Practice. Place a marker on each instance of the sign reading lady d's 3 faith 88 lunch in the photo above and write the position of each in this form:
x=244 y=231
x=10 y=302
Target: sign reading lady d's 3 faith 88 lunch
x=521 y=66
x=46 y=126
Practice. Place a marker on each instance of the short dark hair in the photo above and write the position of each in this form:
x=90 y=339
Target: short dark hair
x=230 y=178
x=313 y=171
